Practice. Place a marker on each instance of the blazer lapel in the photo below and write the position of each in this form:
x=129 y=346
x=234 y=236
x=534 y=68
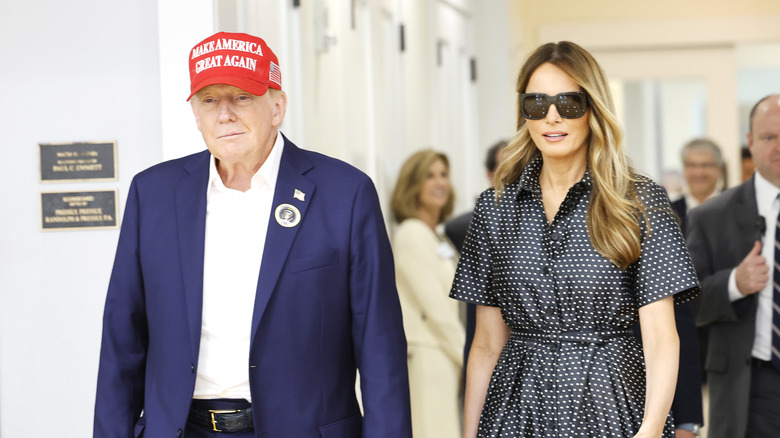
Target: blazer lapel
x=190 y=195
x=291 y=186
x=746 y=213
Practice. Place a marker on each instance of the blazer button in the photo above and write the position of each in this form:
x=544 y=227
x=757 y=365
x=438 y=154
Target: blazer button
x=192 y=367
x=178 y=433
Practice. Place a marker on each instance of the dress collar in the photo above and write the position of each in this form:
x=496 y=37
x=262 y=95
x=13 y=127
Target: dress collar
x=529 y=180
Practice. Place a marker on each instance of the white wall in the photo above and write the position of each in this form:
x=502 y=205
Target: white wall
x=180 y=25
x=84 y=70
x=496 y=110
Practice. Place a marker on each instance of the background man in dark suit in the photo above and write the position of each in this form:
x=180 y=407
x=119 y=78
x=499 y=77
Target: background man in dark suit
x=704 y=172
x=251 y=280
x=732 y=240
x=705 y=176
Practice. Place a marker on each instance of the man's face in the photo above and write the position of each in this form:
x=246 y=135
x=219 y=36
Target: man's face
x=239 y=128
x=701 y=173
x=764 y=139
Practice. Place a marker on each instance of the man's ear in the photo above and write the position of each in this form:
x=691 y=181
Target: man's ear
x=280 y=107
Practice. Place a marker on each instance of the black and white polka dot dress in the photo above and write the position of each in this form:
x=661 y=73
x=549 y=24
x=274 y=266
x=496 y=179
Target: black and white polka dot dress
x=571 y=367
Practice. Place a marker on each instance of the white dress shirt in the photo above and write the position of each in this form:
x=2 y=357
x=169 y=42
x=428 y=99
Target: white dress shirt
x=691 y=202
x=768 y=208
x=236 y=226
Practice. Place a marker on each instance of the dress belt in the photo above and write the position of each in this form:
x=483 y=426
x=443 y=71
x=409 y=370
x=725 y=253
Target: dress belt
x=581 y=336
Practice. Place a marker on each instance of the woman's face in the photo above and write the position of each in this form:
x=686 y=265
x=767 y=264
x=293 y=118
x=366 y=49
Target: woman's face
x=557 y=138
x=436 y=189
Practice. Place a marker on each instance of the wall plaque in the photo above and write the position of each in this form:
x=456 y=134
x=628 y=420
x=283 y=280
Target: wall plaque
x=78 y=161
x=78 y=210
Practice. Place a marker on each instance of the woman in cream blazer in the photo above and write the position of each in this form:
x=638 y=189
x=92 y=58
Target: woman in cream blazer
x=425 y=263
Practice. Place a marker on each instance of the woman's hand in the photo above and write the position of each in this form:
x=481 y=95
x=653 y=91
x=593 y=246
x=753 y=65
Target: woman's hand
x=645 y=433
x=682 y=433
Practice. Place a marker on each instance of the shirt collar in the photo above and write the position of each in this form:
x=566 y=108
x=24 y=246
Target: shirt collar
x=691 y=202
x=766 y=192
x=529 y=179
x=267 y=174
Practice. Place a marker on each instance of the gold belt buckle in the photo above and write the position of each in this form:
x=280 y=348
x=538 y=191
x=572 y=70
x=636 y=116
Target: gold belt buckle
x=214 y=420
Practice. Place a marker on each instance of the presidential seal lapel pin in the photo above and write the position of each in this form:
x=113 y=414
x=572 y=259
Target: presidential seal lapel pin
x=287 y=215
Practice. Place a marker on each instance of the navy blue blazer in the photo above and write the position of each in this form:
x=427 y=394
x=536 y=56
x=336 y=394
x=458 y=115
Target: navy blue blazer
x=326 y=305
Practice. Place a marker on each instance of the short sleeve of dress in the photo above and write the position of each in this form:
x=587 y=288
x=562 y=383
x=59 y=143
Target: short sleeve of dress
x=473 y=277
x=664 y=267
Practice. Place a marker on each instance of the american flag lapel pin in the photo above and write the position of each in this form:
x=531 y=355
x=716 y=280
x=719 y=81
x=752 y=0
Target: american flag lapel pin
x=299 y=195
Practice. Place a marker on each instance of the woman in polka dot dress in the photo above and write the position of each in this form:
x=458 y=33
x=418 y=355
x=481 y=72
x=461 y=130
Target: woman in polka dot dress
x=568 y=252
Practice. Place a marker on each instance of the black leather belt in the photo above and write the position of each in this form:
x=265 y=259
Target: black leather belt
x=228 y=420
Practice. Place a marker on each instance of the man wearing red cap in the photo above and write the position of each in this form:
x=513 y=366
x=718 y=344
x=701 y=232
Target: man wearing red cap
x=251 y=280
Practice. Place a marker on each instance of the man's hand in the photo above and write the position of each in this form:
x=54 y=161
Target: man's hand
x=752 y=273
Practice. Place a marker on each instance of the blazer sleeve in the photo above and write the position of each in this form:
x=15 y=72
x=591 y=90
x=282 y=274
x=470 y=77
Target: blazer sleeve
x=377 y=327
x=424 y=293
x=713 y=305
x=120 y=386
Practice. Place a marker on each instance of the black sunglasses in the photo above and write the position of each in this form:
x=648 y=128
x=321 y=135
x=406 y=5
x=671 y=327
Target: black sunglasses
x=571 y=105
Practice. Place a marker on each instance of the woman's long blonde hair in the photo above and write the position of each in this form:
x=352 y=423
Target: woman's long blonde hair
x=406 y=195
x=615 y=209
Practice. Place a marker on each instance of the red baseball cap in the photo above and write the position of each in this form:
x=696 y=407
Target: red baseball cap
x=237 y=59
